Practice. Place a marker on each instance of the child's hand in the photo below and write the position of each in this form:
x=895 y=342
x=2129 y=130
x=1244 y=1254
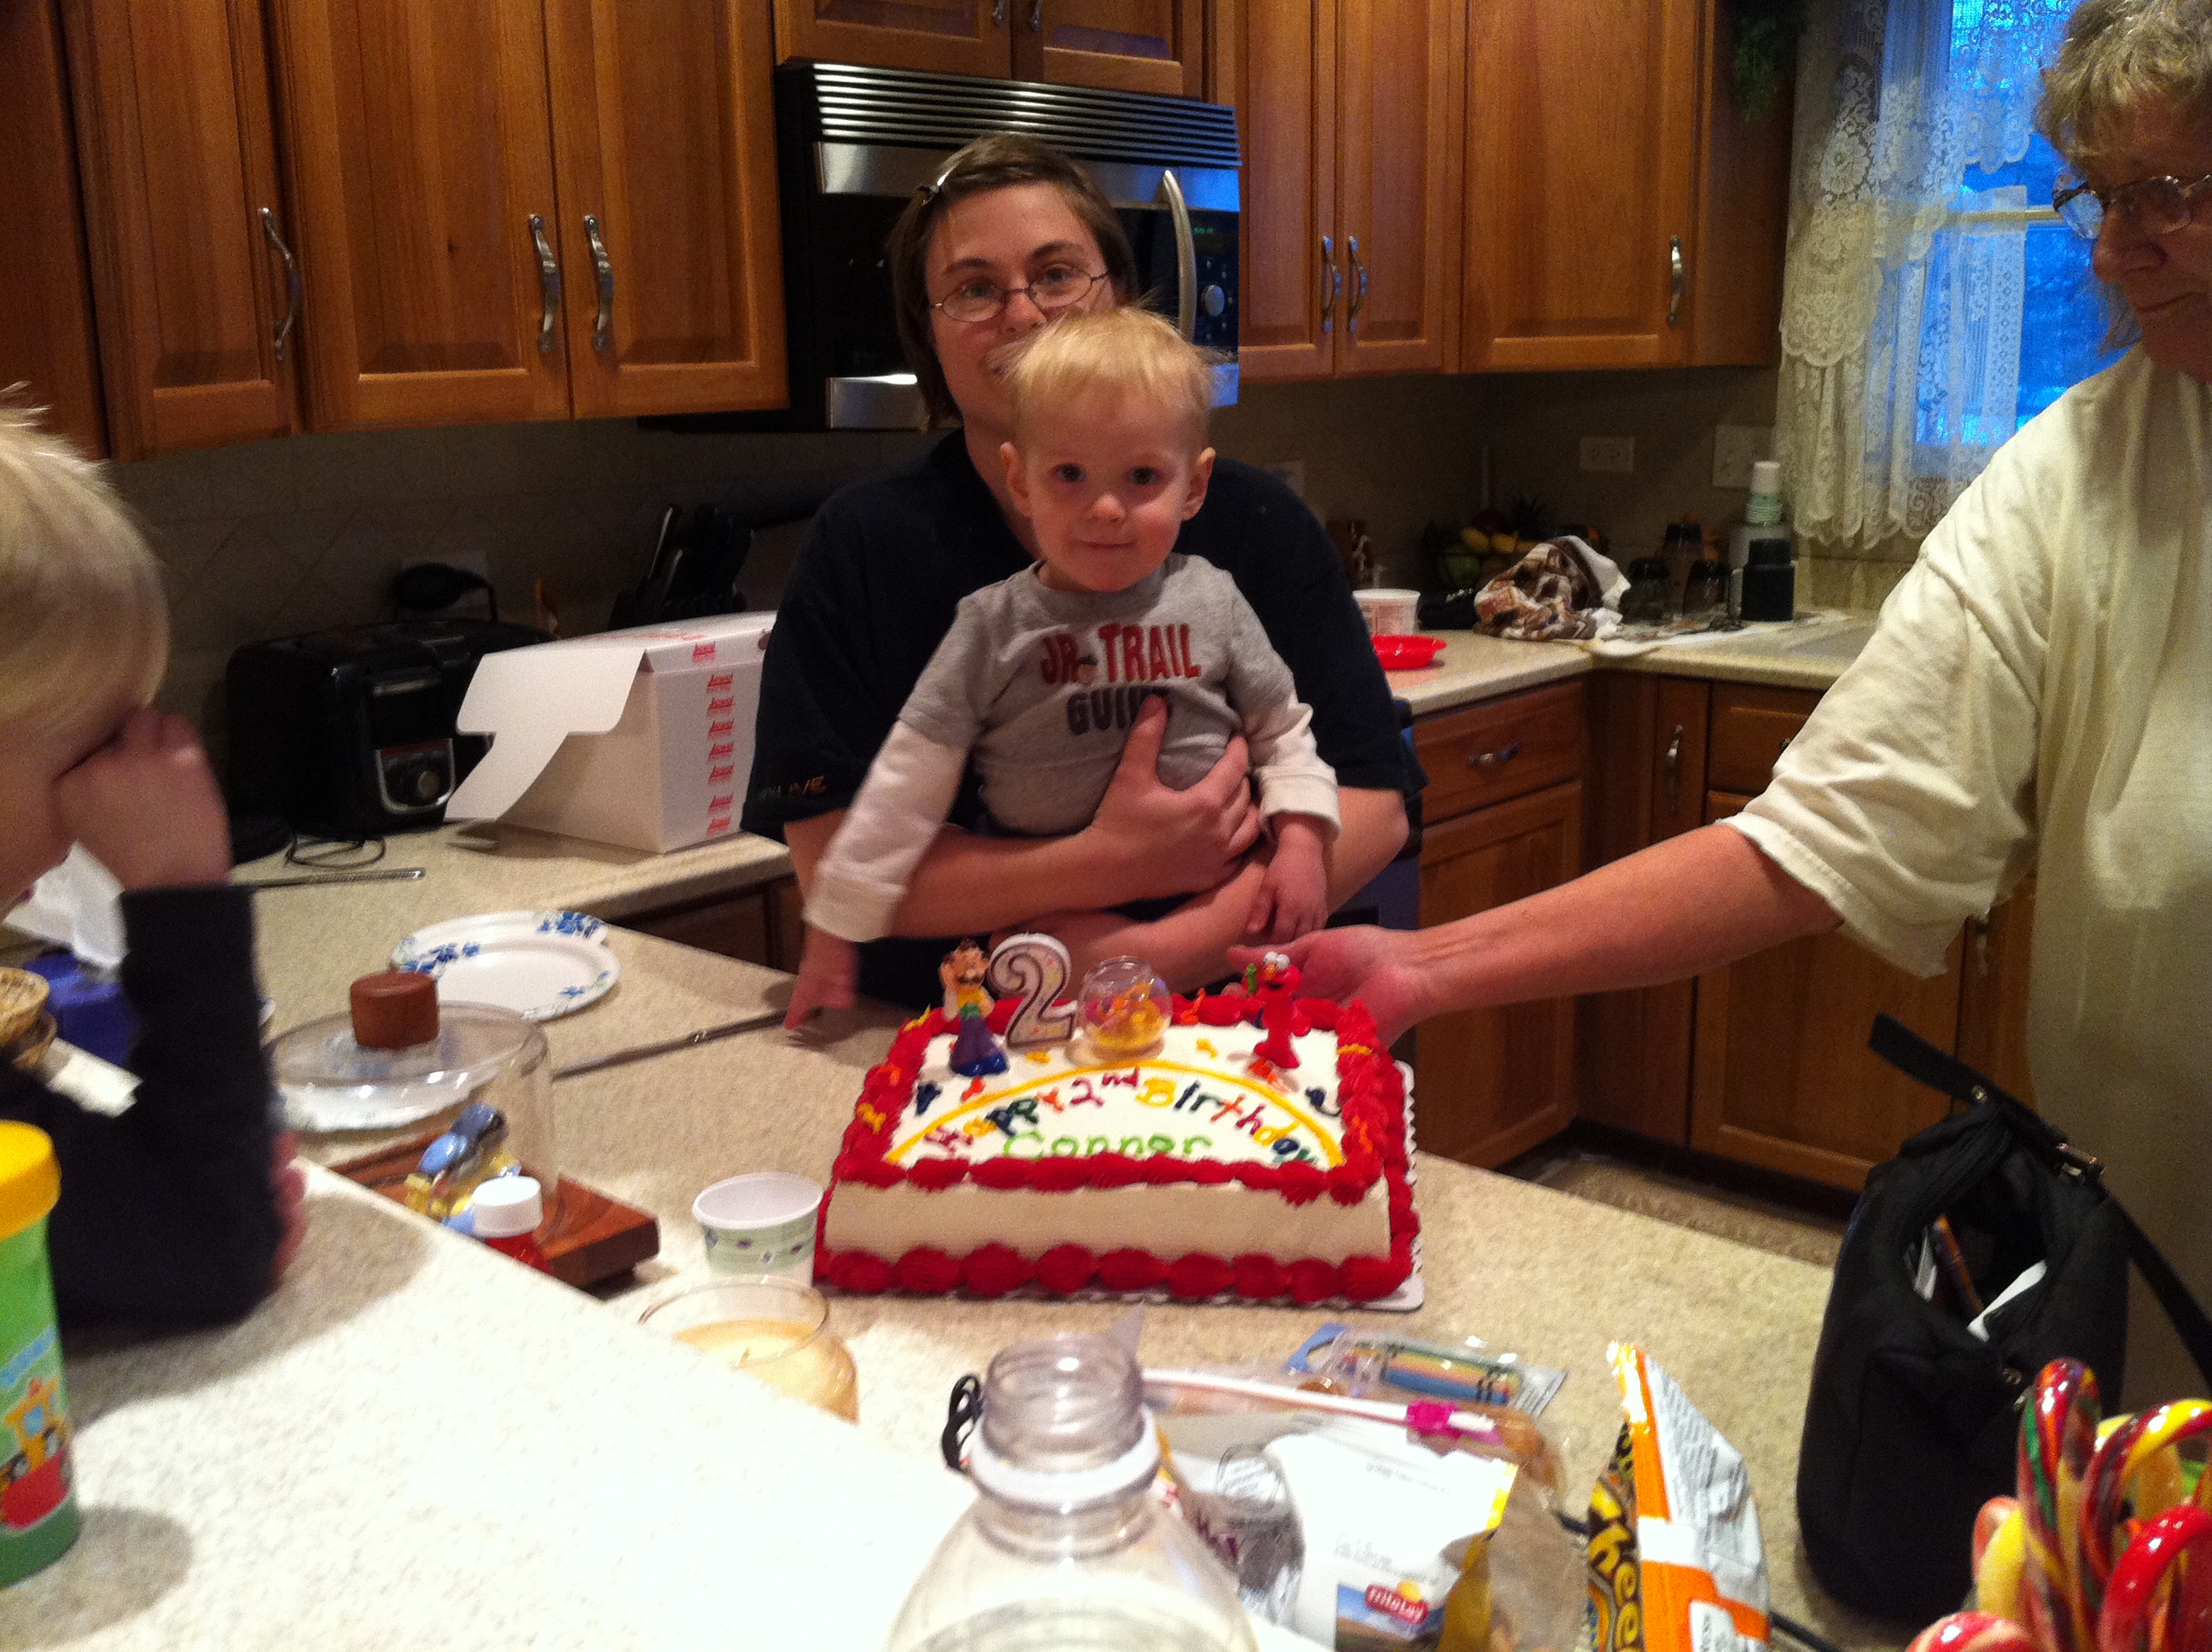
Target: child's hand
x=1293 y=898
x=146 y=804
x=828 y=977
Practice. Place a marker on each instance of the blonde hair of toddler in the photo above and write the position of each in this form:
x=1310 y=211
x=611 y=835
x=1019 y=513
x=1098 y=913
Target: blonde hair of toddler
x=1117 y=355
x=84 y=624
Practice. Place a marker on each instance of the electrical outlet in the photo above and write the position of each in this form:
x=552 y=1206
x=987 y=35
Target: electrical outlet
x=1291 y=473
x=1736 y=448
x=1613 y=453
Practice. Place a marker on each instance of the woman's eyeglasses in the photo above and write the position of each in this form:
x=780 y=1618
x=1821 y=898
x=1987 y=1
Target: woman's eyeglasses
x=2157 y=206
x=1059 y=288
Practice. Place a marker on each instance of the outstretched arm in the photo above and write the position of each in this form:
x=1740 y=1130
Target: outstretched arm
x=1690 y=903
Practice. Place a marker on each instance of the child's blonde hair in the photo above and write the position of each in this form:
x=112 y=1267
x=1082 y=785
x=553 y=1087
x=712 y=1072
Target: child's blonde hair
x=1114 y=355
x=84 y=625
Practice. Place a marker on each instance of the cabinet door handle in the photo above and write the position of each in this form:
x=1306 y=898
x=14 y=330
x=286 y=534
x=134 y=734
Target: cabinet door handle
x=1332 y=283
x=998 y=13
x=1036 y=16
x=291 y=280
x=1674 y=765
x=1489 y=763
x=1359 y=286
x=603 y=276
x=1979 y=930
x=1677 y=280
x=549 y=286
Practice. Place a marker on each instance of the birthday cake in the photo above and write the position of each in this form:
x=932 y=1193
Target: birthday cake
x=1208 y=1164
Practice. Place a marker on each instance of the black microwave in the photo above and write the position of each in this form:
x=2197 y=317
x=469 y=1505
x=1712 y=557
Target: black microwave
x=854 y=143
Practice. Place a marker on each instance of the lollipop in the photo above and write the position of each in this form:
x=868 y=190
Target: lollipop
x=1973 y=1631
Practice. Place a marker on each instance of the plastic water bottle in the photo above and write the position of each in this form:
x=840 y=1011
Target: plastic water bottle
x=1065 y=1548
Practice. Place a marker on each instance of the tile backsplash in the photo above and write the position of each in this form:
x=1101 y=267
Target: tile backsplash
x=272 y=538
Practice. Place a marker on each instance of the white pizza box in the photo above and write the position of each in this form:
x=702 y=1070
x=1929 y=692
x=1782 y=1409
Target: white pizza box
x=642 y=737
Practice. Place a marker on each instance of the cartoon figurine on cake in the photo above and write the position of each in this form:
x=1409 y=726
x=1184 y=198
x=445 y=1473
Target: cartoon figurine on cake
x=1125 y=1009
x=1274 y=981
x=976 y=1054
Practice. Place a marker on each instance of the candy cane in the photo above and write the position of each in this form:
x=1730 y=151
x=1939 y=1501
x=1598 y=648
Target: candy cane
x=1973 y=1632
x=2131 y=1597
x=2123 y=1465
x=1999 y=1553
x=2058 y=1439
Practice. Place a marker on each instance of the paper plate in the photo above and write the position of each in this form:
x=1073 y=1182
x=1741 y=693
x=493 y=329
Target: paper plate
x=539 y=964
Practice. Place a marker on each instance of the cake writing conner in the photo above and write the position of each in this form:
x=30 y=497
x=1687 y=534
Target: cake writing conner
x=1204 y=1164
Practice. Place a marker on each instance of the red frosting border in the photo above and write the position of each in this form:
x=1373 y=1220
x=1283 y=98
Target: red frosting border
x=1371 y=1097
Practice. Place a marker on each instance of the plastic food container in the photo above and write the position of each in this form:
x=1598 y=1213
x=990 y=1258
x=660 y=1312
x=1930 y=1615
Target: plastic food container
x=1389 y=611
x=1407 y=654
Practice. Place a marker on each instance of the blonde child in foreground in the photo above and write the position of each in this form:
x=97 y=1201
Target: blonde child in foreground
x=183 y=1209
x=1042 y=674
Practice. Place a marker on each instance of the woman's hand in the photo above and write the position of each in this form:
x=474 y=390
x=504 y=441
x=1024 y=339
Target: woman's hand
x=1376 y=966
x=1148 y=839
x=147 y=806
x=289 y=1183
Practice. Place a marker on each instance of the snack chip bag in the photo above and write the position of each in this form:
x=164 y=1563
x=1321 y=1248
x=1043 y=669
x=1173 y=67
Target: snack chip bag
x=1676 y=1562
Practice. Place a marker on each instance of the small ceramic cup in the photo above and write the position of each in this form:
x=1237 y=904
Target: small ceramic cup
x=760 y=1223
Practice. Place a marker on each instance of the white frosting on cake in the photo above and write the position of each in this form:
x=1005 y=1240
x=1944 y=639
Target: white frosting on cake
x=1197 y=1097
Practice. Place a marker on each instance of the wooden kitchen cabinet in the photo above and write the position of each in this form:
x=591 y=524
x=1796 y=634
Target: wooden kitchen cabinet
x=1647 y=742
x=46 y=340
x=1783 y=1078
x=762 y=926
x=1504 y=820
x=1619 y=212
x=1132 y=46
x=188 y=240
x=664 y=157
x=1993 y=992
x=444 y=161
x=1350 y=116
x=1491 y=1084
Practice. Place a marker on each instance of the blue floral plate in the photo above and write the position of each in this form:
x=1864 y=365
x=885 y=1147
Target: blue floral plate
x=539 y=964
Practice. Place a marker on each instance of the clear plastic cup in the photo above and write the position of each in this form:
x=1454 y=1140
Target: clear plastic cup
x=775 y=1327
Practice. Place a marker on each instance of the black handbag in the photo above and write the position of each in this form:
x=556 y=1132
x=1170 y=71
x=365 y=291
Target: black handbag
x=1912 y=1421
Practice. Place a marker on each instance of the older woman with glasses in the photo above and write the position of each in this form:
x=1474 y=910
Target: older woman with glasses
x=2039 y=694
x=1012 y=233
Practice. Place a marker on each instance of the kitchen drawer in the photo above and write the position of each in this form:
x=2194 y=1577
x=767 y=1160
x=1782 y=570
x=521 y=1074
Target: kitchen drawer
x=1750 y=727
x=1503 y=748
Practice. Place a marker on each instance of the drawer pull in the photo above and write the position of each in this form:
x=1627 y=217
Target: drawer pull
x=1674 y=773
x=1490 y=762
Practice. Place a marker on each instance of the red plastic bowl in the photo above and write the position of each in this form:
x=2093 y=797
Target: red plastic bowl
x=1407 y=654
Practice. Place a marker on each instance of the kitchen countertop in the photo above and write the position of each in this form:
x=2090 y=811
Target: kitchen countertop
x=1811 y=654
x=413 y=1419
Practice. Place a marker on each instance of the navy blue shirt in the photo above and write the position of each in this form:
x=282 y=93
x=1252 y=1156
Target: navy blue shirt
x=887 y=562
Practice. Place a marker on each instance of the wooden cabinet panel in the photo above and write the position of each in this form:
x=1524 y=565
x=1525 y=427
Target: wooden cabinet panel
x=178 y=161
x=952 y=37
x=1131 y=46
x=1735 y=300
x=1581 y=156
x=1750 y=728
x=664 y=144
x=1993 y=995
x=420 y=149
x=1275 y=60
x=1398 y=177
x=1492 y=1083
x=1500 y=749
x=45 y=328
x=1783 y=1078
x=1647 y=743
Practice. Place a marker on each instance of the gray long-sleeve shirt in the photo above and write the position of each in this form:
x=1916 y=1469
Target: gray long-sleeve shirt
x=1042 y=686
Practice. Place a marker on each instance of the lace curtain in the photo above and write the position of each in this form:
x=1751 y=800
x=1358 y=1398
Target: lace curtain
x=1901 y=317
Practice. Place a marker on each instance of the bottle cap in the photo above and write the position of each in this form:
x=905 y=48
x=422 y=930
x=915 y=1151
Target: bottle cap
x=30 y=1179
x=1766 y=476
x=506 y=1208
x=394 y=1011
x=1769 y=553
